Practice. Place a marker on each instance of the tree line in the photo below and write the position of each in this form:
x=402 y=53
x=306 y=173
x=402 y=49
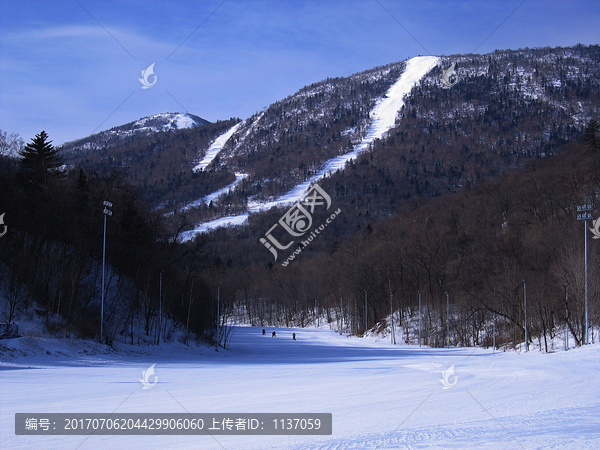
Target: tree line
x=51 y=254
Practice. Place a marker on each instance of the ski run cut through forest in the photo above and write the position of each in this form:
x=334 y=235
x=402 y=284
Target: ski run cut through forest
x=383 y=118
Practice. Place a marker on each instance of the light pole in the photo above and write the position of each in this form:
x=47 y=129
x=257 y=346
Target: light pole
x=525 y=309
x=419 y=318
x=448 y=318
x=584 y=214
x=366 y=314
x=105 y=212
x=392 y=333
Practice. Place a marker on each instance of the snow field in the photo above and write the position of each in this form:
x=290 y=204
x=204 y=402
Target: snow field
x=380 y=395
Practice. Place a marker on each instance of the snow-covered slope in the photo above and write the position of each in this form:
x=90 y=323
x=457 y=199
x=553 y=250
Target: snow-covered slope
x=380 y=395
x=383 y=117
x=215 y=148
x=215 y=195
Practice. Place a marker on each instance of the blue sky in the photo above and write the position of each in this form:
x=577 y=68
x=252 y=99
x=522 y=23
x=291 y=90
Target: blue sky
x=71 y=67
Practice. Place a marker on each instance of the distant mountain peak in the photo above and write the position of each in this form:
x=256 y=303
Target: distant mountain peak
x=166 y=122
x=144 y=126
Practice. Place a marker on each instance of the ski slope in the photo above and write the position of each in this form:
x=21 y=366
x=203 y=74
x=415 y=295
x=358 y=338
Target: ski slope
x=215 y=148
x=380 y=396
x=214 y=195
x=383 y=118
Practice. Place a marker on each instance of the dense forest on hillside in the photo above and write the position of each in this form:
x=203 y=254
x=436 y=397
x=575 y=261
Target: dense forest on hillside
x=473 y=194
x=507 y=107
x=481 y=245
x=477 y=244
x=161 y=163
x=296 y=135
x=52 y=254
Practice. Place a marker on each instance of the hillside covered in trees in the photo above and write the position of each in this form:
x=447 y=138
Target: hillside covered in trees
x=473 y=193
x=482 y=245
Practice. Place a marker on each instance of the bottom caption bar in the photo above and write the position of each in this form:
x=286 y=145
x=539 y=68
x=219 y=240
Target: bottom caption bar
x=36 y=424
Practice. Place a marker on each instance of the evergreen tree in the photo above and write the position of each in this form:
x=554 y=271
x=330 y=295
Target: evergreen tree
x=39 y=160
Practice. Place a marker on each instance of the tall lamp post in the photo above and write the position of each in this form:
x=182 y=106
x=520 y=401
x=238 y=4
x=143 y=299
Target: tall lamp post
x=105 y=212
x=584 y=214
x=392 y=331
x=419 y=318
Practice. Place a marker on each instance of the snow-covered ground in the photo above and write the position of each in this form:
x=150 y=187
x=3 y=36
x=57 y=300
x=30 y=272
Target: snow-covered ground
x=381 y=396
x=383 y=118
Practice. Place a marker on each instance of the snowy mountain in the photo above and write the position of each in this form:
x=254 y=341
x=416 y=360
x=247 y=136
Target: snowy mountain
x=465 y=119
x=454 y=185
x=501 y=109
x=145 y=126
x=382 y=119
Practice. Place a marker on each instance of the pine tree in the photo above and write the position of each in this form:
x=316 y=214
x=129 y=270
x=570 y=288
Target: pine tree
x=39 y=160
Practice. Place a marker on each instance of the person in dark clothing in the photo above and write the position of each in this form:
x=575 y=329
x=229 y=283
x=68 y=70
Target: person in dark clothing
x=264 y=332
x=294 y=336
x=273 y=334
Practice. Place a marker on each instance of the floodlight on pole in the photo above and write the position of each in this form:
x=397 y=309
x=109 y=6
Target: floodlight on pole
x=419 y=318
x=105 y=212
x=584 y=214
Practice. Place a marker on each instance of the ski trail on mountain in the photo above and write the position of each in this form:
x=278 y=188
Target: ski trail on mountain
x=215 y=148
x=239 y=176
x=383 y=118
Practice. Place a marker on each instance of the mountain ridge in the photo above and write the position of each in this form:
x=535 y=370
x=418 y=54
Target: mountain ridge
x=142 y=127
x=505 y=107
